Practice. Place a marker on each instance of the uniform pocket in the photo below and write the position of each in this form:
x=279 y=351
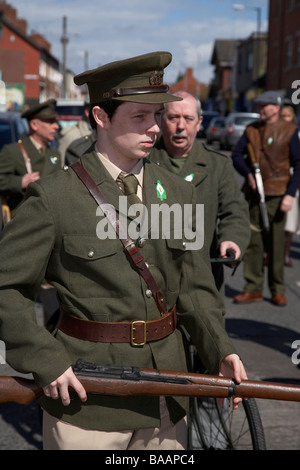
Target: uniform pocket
x=92 y=265
x=177 y=249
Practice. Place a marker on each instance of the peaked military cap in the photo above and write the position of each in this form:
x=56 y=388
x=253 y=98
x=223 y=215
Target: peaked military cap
x=138 y=80
x=46 y=110
x=269 y=97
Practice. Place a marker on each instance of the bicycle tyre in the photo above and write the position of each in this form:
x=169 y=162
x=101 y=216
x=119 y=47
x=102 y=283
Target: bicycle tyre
x=213 y=427
x=255 y=424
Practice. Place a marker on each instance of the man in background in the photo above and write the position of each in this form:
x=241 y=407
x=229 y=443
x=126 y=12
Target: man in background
x=273 y=144
x=27 y=160
x=226 y=220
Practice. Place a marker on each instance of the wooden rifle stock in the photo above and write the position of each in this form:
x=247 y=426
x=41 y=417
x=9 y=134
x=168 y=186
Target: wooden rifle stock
x=133 y=381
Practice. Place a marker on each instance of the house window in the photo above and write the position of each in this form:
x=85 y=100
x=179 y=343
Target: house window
x=250 y=60
x=289 y=53
x=298 y=50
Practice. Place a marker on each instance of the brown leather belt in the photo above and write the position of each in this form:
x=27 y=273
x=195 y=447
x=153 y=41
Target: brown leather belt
x=137 y=332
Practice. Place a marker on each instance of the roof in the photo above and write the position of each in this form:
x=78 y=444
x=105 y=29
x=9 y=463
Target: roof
x=223 y=52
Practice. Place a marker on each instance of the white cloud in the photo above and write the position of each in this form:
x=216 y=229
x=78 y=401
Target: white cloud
x=114 y=29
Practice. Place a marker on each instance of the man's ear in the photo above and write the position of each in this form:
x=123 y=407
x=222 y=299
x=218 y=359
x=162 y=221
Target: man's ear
x=33 y=125
x=100 y=116
x=199 y=123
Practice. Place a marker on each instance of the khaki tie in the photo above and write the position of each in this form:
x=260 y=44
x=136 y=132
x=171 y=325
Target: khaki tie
x=42 y=151
x=130 y=184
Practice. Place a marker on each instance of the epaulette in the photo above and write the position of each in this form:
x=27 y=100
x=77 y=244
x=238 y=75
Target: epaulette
x=218 y=152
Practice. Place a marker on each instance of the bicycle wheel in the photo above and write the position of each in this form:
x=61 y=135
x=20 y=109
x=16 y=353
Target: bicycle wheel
x=218 y=427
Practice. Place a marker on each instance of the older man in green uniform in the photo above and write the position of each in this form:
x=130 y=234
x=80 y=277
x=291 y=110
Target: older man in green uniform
x=31 y=157
x=59 y=227
x=226 y=215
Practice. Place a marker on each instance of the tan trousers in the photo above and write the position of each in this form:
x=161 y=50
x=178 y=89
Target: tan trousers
x=58 y=435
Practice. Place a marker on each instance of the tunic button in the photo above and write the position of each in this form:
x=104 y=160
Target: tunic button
x=66 y=168
x=91 y=254
x=148 y=293
x=142 y=242
x=184 y=245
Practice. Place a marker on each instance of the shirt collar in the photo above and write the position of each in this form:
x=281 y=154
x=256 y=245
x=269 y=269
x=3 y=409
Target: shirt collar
x=114 y=171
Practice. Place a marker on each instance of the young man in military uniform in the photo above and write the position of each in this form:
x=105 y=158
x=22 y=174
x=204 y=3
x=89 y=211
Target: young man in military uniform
x=276 y=147
x=100 y=291
x=32 y=157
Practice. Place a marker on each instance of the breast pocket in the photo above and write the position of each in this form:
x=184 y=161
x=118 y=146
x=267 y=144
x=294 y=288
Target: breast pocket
x=92 y=265
x=176 y=249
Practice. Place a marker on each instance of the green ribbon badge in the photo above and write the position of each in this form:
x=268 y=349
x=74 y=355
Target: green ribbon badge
x=190 y=177
x=53 y=160
x=160 y=191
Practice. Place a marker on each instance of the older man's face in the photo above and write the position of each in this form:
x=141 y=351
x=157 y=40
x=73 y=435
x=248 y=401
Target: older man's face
x=180 y=124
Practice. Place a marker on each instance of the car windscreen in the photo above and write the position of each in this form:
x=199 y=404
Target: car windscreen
x=243 y=120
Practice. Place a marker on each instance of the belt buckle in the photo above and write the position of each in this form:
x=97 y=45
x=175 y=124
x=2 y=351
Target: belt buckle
x=133 y=343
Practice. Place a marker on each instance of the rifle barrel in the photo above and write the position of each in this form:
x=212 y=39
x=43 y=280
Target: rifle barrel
x=151 y=382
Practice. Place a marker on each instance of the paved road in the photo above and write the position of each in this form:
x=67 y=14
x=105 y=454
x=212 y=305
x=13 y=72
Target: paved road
x=263 y=335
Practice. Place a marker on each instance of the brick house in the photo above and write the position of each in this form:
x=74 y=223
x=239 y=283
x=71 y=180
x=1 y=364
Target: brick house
x=27 y=67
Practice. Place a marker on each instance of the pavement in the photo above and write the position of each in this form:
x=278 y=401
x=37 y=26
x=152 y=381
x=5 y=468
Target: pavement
x=263 y=335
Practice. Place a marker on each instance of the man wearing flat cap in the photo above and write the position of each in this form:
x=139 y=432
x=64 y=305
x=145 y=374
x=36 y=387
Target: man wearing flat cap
x=123 y=295
x=31 y=157
x=274 y=145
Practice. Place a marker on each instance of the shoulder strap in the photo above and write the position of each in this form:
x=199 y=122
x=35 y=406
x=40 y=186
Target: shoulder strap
x=128 y=244
x=26 y=157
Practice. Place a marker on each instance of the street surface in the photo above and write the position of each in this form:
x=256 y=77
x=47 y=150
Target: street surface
x=263 y=335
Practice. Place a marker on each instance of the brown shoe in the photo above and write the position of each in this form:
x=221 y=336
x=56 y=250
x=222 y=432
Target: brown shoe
x=247 y=298
x=279 y=300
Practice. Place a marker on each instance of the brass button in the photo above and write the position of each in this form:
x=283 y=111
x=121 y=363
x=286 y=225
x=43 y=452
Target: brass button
x=184 y=245
x=142 y=242
x=91 y=254
x=65 y=168
x=148 y=293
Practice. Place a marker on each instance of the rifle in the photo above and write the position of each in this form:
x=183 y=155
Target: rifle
x=260 y=189
x=134 y=381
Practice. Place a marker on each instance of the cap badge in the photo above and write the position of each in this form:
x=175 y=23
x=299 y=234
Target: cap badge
x=156 y=78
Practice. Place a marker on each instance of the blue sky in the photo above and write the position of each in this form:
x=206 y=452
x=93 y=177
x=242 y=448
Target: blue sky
x=109 y=30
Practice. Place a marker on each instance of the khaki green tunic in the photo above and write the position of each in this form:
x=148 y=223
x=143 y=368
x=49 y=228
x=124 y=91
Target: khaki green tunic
x=213 y=175
x=53 y=236
x=13 y=168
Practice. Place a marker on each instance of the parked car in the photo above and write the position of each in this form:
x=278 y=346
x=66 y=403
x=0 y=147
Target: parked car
x=70 y=111
x=213 y=132
x=12 y=127
x=207 y=117
x=235 y=124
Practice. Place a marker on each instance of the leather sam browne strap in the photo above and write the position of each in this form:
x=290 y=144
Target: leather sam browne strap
x=26 y=157
x=137 y=332
x=128 y=244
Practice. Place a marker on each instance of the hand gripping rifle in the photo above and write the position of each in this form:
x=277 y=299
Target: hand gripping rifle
x=260 y=189
x=134 y=381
